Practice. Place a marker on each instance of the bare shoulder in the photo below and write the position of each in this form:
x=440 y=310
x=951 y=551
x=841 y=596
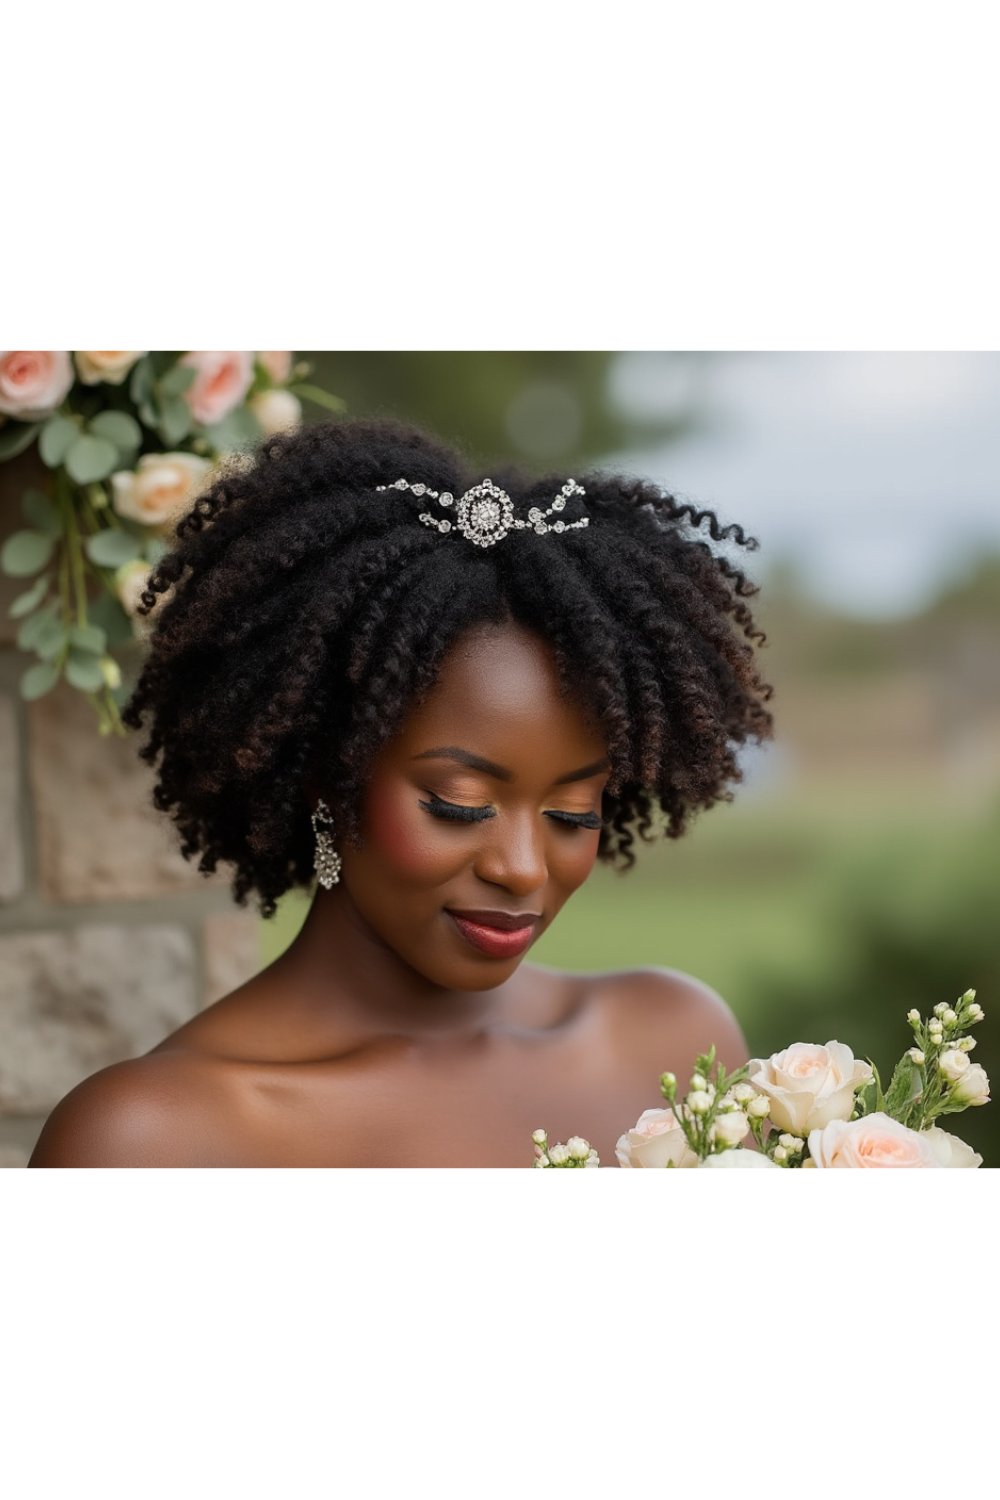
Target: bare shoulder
x=671 y=1017
x=159 y=1110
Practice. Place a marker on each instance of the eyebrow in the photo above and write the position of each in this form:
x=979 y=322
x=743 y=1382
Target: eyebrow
x=490 y=767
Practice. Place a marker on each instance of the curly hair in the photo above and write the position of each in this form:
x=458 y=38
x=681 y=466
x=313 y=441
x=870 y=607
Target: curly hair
x=306 y=612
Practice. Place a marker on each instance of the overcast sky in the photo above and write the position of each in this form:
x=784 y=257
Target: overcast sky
x=878 y=473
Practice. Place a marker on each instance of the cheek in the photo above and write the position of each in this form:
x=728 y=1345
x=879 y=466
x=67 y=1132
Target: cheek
x=571 y=865
x=403 y=839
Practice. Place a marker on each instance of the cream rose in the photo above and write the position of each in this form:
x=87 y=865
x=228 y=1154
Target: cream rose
x=221 y=382
x=741 y=1157
x=161 y=488
x=873 y=1141
x=276 y=411
x=33 y=382
x=953 y=1064
x=973 y=1087
x=277 y=363
x=808 y=1085
x=949 y=1150
x=130 y=580
x=107 y=366
x=655 y=1140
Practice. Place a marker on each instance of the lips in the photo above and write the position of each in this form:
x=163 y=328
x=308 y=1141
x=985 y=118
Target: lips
x=499 y=934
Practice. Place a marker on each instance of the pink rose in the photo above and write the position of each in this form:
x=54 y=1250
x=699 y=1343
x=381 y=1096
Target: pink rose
x=873 y=1141
x=161 y=488
x=655 y=1140
x=33 y=382
x=277 y=363
x=222 y=381
x=105 y=366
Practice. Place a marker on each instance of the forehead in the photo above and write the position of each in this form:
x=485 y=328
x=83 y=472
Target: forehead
x=499 y=693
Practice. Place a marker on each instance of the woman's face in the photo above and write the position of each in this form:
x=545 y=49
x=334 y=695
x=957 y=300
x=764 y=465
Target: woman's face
x=483 y=812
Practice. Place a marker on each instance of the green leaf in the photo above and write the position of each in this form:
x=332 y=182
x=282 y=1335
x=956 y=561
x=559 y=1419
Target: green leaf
x=25 y=552
x=147 y=412
x=25 y=603
x=238 y=429
x=91 y=458
x=107 y=612
x=176 y=420
x=155 y=548
x=140 y=385
x=88 y=638
x=46 y=639
x=56 y=439
x=176 y=381
x=319 y=397
x=38 y=679
x=15 y=437
x=84 y=671
x=41 y=513
x=34 y=624
x=112 y=547
x=119 y=428
x=906 y=1085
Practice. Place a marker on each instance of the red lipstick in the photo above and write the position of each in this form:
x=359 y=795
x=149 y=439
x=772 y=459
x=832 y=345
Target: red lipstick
x=497 y=933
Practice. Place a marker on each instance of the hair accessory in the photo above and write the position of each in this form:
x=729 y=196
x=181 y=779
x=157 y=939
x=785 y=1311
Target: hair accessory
x=485 y=513
x=327 y=860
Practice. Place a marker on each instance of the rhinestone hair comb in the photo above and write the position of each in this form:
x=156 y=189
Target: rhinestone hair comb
x=485 y=513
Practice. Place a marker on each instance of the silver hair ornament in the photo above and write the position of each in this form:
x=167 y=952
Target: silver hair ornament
x=485 y=513
x=327 y=860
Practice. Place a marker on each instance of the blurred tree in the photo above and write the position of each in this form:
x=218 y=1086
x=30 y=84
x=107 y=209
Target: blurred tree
x=545 y=408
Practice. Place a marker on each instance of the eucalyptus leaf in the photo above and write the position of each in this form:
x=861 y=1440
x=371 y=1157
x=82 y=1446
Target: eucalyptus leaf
x=89 y=638
x=112 y=547
x=140 y=384
x=31 y=628
x=107 y=612
x=56 y=438
x=238 y=429
x=119 y=428
x=176 y=420
x=38 y=679
x=25 y=552
x=15 y=437
x=156 y=548
x=176 y=381
x=25 y=603
x=91 y=458
x=84 y=671
x=147 y=412
x=41 y=513
x=49 y=639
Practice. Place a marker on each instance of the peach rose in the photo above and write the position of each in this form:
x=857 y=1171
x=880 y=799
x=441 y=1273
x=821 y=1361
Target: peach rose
x=949 y=1150
x=808 y=1085
x=276 y=411
x=655 y=1140
x=277 y=363
x=873 y=1141
x=222 y=381
x=107 y=366
x=33 y=382
x=162 y=487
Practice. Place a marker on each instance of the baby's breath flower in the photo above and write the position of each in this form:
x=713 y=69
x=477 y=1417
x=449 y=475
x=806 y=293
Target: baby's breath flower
x=976 y=1012
x=699 y=1102
x=793 y=1144
x=949 y=1018
x=913 y=1016
x=558 y=1154
x=759 y=1107
x=780 y=1154
x=698 y=1083
x=539 y=1137
x=966 y=1043
x=939 y=1010
x=578 y=1148
x=743 y=1092
x=593 y=1160
x=915 y=1055
x=542 y=1161
x=729 y=1129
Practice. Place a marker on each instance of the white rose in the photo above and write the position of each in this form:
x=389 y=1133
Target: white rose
x=949 y=1150
x=162 y=487
x=33 y=382
x=276 y=411
x=973 y=1087
x=655 y=1140
x=730 y=1128
x=953 y=1064
x=109 y=366
x=739 y=1158
x=808 y=1085
x=873 y=1141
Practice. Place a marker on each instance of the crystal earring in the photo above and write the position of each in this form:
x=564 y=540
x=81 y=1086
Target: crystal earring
x=327 y=860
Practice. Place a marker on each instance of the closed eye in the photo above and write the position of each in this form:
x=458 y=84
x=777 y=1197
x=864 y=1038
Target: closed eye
x=458 y=812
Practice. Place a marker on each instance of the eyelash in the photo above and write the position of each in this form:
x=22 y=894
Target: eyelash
x=456 y=813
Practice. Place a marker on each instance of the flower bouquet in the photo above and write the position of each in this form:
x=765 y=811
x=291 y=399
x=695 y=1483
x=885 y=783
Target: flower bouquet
x=129 y=438
x=810 y=1106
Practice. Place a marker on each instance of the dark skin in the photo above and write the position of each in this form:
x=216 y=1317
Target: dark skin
x=382 y=1036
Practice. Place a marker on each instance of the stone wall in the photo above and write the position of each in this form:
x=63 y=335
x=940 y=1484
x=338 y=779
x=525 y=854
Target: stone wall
x=108 y=938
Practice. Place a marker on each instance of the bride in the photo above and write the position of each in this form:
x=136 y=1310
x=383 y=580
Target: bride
x=446 y=697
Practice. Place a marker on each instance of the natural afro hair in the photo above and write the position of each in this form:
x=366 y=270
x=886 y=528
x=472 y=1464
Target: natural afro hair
x=307 y=611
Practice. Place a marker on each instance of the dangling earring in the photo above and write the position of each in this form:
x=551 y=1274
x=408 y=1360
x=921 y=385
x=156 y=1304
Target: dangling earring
x=327 y=860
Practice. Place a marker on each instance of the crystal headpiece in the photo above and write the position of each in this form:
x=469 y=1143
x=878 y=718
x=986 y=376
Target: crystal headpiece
x=485 y=513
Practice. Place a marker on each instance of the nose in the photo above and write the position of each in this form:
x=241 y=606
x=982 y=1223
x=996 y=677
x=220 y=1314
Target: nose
x=512 y=854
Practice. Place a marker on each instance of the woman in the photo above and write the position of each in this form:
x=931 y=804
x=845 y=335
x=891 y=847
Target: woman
x=448 y=697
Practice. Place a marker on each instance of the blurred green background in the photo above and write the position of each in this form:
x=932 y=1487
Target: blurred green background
x=856 y=873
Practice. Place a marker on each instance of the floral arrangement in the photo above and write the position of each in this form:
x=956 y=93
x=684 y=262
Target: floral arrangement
x=129 y=439
x=810 y=1106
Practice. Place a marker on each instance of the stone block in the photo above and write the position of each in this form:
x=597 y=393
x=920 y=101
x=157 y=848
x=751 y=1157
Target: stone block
x=98 y=835
x=232 y=952
x=74 y=1001
x=11 y=852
